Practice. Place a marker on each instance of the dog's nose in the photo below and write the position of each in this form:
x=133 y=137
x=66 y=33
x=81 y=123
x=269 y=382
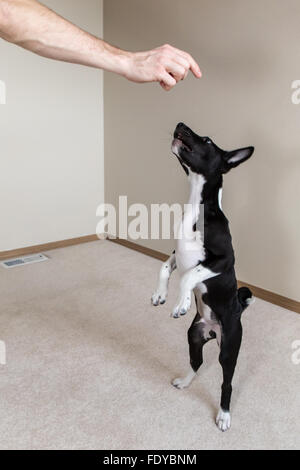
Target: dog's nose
x=182 y=130
x=180 y=126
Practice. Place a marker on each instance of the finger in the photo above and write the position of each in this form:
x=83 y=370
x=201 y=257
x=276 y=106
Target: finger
x=191 y=61
x=185 y=75
x=176 y=70
x=184 y=63
x=194 y=66
x=167 y=81
x=164 y=86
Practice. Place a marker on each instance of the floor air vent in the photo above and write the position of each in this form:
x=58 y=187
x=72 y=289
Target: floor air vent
x=14 y=262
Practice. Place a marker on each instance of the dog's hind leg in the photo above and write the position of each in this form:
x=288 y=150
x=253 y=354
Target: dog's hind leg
x=160 y=295
x=197 y=338
x=230 y=346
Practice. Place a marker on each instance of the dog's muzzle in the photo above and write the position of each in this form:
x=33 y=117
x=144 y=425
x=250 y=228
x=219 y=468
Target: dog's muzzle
x=176 y=145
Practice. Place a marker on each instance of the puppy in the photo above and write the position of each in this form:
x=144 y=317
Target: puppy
x=205 y=261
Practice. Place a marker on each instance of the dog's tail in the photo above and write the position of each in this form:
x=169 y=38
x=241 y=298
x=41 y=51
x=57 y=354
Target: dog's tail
x=245 y=297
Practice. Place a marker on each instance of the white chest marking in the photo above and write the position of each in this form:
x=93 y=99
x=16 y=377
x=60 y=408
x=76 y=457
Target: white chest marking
x=190 y=244
x=220 y=198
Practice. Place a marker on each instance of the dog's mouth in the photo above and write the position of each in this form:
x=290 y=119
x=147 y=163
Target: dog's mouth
x=179 y=143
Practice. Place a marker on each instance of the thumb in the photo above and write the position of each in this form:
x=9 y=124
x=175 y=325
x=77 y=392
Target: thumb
x=167 y=82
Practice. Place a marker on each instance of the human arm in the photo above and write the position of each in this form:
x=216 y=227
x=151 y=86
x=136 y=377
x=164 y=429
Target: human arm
x=33 y=26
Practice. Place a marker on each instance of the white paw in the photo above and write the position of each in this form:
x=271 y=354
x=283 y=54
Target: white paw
x=159 y=297
x=182 y=307
x=223 y=420
x=185 y=381
x=179 y=383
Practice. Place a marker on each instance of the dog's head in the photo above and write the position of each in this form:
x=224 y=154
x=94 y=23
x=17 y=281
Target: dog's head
x=202 y=156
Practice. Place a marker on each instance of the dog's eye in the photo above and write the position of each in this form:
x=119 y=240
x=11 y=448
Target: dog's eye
x=207 y=140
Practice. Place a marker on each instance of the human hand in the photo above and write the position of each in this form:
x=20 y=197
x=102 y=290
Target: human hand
x=166 y=65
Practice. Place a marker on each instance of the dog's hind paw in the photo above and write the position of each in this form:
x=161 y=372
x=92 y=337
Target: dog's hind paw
x=184 y=382
x=223 y=420
x=158 y=298
x=179 y=383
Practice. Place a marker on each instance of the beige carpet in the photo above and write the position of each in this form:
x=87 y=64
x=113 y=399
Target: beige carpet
x=89 y=362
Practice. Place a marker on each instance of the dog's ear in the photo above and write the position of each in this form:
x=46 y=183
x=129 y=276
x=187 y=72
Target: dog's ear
x=235 y=157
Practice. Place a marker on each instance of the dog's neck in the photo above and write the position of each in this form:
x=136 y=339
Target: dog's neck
x=205 y=192
x=197 y=183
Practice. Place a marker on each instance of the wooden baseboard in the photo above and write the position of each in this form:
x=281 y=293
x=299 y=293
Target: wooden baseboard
x=140 y=249
x=28 y=250
x=263 y=294
x=273 y=298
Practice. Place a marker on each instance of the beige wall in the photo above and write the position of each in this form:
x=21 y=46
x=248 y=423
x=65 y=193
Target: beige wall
x=249 y=54
x=51 y=177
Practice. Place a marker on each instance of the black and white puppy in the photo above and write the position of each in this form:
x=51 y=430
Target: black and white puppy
x=206 y=262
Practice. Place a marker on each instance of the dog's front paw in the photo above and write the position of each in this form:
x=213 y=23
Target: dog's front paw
x=223 y=420
x=158 y=298
x=182 y=307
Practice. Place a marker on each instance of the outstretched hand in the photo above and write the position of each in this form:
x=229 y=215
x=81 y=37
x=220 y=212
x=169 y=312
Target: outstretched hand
x=166 y=65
